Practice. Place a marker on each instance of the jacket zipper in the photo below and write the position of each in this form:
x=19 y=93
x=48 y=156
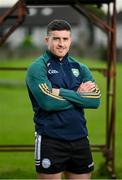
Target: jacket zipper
x=62 y=70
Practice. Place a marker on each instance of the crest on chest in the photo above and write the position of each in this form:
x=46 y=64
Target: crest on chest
x=75 y=72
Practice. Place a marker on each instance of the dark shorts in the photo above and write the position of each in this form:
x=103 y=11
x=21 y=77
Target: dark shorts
x=54 y=156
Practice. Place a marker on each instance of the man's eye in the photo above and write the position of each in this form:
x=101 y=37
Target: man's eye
x=65 y=39
x=55 y=38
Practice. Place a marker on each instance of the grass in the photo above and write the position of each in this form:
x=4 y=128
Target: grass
x=16 y=122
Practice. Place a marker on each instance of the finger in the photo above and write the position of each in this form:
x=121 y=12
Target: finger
x=90 y=85
x=86 y=84
x=87 y=88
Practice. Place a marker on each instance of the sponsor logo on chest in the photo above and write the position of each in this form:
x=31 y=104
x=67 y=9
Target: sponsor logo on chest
x=52 y=71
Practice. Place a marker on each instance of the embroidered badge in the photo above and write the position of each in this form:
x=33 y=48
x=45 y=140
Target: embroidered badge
x=46 y=163
x=75 y=72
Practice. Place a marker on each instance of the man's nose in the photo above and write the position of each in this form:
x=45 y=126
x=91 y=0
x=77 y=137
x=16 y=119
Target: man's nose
x=60 y=42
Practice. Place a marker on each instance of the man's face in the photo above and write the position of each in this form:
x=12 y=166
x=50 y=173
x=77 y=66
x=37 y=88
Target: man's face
x=59 y=42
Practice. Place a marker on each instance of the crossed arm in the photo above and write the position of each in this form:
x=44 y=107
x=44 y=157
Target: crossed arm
x=86 y=87
x=86 y=96
x=48 y=98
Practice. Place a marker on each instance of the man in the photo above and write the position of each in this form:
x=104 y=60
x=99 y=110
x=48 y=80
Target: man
x=60 y=88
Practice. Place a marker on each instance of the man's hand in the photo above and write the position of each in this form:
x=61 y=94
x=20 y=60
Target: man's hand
x=86 y=87
x=55 y=91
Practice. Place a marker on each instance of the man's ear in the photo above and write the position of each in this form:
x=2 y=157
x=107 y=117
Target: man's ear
x=46 y=39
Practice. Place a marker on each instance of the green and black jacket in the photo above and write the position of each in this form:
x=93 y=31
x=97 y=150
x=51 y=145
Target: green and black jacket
x=60 y=116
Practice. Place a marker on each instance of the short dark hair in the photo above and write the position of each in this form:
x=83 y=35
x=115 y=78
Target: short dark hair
x=58 y=24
